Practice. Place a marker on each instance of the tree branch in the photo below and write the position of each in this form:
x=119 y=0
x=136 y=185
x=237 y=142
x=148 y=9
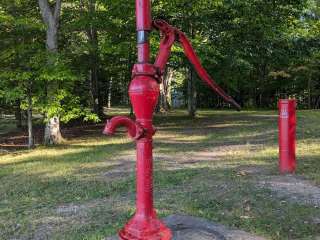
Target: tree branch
x=46 y=12
x=50 y=17
x=57 y=11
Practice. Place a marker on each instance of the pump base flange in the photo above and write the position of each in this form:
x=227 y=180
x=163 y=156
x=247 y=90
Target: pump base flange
x=145 y=229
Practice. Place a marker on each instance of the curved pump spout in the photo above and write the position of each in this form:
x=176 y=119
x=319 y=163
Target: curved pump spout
x=134 y=129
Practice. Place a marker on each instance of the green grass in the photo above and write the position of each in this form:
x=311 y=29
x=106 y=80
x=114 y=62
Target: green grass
x=67 y=192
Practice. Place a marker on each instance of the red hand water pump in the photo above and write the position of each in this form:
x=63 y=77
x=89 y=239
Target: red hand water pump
x=144 y=92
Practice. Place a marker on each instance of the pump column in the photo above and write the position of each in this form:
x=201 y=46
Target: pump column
x=144 y=25
x=144 y=93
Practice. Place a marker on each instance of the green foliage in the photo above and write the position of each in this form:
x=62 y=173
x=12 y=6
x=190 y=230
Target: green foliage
x=256 y=50
x=26 y=67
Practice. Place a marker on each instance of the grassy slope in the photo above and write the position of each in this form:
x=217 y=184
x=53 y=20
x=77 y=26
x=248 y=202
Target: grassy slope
x=66 y=192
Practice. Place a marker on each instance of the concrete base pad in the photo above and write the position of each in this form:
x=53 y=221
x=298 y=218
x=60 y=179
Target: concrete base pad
x=191 y=228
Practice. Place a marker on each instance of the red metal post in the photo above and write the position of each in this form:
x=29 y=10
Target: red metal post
x=144 y=92
x=287 y=136
x=144 y=26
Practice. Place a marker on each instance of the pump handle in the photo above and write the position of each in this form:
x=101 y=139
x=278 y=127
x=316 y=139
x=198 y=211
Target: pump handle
x=171 y=34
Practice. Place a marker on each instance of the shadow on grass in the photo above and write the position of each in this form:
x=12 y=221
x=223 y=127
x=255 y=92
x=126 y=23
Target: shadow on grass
x=88 y=153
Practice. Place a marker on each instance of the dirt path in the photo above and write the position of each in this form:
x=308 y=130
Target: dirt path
x=293 y=188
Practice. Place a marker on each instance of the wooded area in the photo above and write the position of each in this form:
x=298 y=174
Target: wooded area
x=70 y=60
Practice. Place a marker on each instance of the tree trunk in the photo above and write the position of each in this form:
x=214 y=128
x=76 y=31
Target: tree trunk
x=94 y=82
x=30 y=131
x=317 y=104
x=109 y=93
x=192 y=94
x=18 y=114
x=92 y=33
x=165 y=91
x=51 y=17
x=309 y=93
x=162 y=100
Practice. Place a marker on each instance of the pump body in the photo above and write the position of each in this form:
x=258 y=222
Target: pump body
x=144 y=92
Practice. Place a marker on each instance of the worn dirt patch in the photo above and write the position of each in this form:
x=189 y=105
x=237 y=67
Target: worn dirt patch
x=120 y=170
x=124 y=166
x=64 y=217
x=210 y=155
x=252 y=170
x=293 y=188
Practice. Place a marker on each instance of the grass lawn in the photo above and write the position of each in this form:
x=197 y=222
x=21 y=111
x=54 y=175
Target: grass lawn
x=208 y=167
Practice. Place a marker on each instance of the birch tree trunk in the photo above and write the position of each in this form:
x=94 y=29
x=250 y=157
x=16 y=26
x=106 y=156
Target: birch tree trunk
x=51 y=16
x=168 y=88
x=165 y=91
x=110 y=93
